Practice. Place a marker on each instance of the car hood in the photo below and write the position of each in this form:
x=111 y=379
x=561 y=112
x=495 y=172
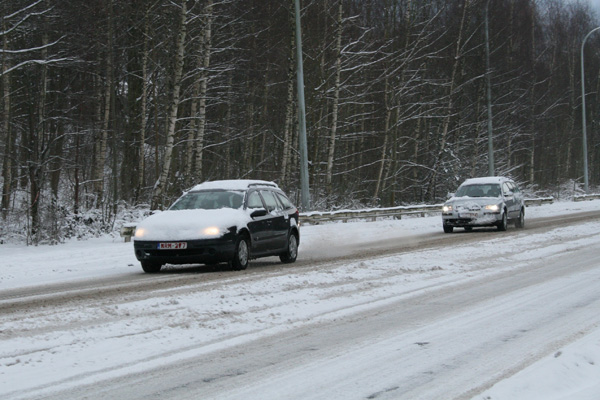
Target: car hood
x=473 y=202
x=190 y=224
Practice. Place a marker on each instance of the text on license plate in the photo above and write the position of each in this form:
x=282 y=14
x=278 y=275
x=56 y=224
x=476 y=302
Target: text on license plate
x=468 y=215
x=172 y=246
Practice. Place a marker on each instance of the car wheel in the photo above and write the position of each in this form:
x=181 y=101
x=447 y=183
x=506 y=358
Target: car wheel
x=448 y=229
x=241 y=255
x=151 y=267
x=290 y=254
x=503 y=225
x=520 y=223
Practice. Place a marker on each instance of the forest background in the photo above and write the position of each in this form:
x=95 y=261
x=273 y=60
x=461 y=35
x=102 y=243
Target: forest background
x=110 y=107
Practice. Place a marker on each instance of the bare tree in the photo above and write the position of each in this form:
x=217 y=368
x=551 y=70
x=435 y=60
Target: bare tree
x=289 y=109
x=203 y=66
x=161 y=183
x=104 y=116
x=336 y=97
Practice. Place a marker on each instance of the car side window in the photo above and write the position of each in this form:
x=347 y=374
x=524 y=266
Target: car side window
x=494 y=191
x=270 y=200
x=254 y=201
x=287 y=204
x=506 y=189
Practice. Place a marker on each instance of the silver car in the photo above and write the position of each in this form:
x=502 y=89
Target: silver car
x=491 y=201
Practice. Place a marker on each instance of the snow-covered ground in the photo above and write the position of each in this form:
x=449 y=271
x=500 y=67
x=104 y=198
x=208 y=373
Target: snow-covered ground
x=42 y=355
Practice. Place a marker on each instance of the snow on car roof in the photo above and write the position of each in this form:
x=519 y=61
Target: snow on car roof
x=233 y=184
x=484 y=180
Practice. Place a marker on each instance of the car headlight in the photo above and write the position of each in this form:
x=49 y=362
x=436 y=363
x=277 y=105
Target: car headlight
x=212 y=231
x=139 y=233
x=447 y=208
x=492 y=207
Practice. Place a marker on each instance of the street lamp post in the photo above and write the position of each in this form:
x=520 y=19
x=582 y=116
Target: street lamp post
x=304 y=185
x=488 y=86
x=583 y=122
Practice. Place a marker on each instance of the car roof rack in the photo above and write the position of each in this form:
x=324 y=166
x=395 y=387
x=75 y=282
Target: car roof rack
x=262 y=184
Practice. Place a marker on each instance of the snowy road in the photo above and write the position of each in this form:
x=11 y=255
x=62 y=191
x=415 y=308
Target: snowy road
x=440 y=317
x=445 y=343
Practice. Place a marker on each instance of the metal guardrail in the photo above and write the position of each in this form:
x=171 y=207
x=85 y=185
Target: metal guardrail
x=538 y=201
x=585 y=197
x=316 y=217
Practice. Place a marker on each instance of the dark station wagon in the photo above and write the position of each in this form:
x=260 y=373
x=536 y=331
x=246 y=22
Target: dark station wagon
x=229 y=221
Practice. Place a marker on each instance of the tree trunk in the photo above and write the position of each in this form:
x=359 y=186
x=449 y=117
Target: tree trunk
x=531 y=174
x=475 y=158
x=322 y=128
x=388 y=114
x=189 y=175
x=206 y=48
x=446 y=123
x=228 y=122
x=57 y=157
x=161 y=183
x=264 y=118
x=144 y=107
x=37 y=149
x=76 y=177
x=289 y=110
x=336 y=98
x=102 y=145
x=247 y=142
x=9 y=142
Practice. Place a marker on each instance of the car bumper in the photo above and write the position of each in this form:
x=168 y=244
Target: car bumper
x=197 y=252
x=471 y=219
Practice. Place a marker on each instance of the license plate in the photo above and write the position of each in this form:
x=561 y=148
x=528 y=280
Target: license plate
x=467 y=215
x=172 y=246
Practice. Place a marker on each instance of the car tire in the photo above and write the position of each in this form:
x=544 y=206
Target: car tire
x=520 y=223
x=503 y=224
x=291 y=252
x=448 y=229
x=241 y=255
x=151 y=267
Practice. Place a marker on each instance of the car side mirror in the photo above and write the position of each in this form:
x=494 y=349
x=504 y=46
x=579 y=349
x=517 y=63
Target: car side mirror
x=259 y=213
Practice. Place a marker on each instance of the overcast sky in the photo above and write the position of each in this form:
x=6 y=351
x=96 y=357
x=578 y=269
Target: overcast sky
x=595 y=4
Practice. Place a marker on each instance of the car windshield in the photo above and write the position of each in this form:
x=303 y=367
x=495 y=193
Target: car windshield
x=209 y=200
x=479 y=190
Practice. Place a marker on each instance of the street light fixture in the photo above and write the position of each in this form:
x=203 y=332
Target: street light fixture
x=583 y=123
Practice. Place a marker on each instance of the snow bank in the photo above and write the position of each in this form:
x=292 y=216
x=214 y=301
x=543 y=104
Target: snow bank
x=571 y=373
